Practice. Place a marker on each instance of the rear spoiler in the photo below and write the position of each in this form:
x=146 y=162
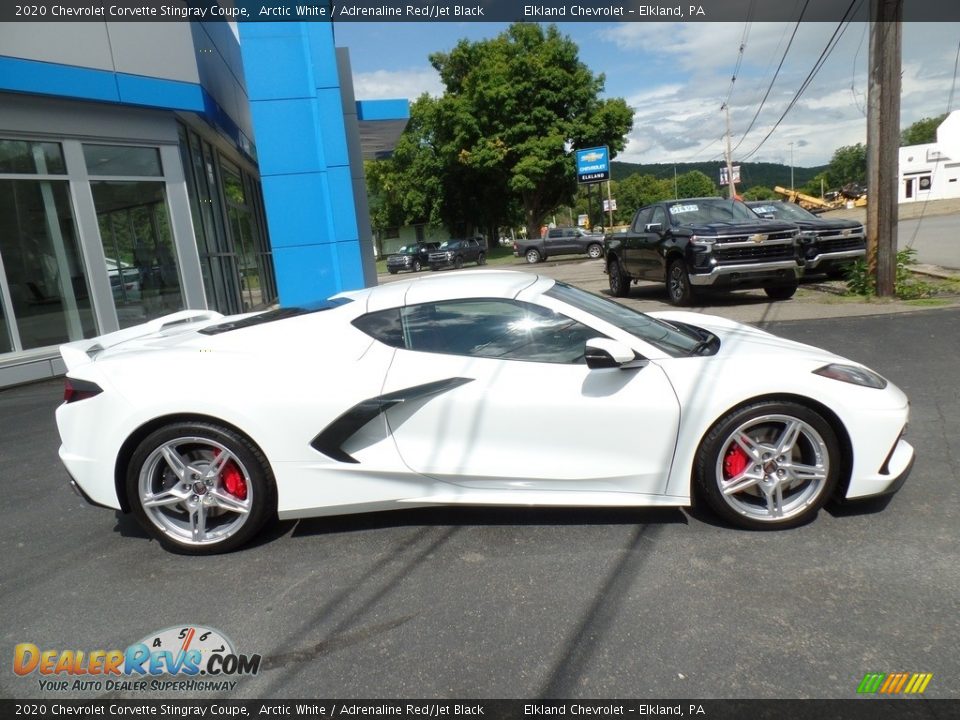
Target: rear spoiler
x=83 y=352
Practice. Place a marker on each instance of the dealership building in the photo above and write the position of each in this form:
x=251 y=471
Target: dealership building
x=150 y=167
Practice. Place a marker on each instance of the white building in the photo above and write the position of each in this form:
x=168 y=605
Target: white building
x=932 y=171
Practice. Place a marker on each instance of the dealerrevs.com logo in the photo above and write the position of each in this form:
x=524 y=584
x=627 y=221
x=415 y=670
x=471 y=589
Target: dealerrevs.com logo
x=178 y=658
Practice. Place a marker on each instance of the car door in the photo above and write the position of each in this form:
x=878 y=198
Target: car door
x=494 y=395
x=633 y=243
x=649 y=242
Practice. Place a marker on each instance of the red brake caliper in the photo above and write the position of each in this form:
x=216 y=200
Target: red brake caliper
x=233 y=480
x=734 y=462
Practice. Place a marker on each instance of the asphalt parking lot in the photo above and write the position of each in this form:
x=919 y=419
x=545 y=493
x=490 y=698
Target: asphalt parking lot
x=522 y=603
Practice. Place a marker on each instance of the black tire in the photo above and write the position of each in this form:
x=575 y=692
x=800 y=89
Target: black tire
x=618 y=279
x=781 y=292
x=595 y=251
x=391 y=271
x=203 y=516
x=481 y=259
x=679 y=290
x=416 y=266
x=533 y=256
x=723 y=462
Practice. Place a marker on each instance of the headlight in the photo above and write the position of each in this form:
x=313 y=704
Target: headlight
x=700 y=240
x=853 y=375
x=449 y=255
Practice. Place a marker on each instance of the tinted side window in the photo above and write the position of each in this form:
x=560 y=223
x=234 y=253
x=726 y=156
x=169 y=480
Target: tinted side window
x=642 y=218
x=659 y=216
x=384 y=326
x=495 y=328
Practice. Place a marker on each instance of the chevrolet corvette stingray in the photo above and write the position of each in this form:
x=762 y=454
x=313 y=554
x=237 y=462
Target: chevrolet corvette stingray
x=477 y=388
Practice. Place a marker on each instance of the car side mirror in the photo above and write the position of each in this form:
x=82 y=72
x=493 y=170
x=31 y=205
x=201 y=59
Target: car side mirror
x=653 y=227
x=603 y=353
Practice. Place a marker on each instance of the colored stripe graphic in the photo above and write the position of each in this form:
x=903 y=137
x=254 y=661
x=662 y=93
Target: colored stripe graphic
x=895 y=683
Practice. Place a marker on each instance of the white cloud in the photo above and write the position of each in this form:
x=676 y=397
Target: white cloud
x=410 y=83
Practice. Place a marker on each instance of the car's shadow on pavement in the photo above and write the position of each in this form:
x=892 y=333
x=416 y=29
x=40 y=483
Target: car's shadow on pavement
x=481 y=516
x=716 y=299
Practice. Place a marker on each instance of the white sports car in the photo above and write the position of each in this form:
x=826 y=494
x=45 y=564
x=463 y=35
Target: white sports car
x=479 y=388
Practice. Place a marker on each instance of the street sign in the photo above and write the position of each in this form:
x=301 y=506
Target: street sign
x=583 y=220
x=593 y=165
x=610 y=204
x=723 y=174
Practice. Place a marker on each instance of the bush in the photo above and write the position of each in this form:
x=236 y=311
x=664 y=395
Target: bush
x=860 y=281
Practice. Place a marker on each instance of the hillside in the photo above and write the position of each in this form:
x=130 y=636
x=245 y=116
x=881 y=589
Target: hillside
x=751 y=174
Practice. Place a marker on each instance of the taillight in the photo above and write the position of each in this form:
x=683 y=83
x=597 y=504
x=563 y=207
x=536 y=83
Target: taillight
x=74 y=390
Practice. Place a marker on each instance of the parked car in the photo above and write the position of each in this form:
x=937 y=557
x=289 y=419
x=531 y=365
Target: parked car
x=704 y=243
x=489 y=388
x=827 y=245
x=560 y=241
x=410 y=257
x=454 y=253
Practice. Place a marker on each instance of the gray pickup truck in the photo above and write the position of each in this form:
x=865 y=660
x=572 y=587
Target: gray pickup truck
x=560 y=241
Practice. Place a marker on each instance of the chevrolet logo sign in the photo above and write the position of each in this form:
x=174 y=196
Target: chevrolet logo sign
x=758 y=238
x=592 y=157
x=846 y=233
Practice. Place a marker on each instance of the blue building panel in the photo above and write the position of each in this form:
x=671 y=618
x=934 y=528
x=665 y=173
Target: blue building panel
x=383 y=110
x=306 y=219
x=307 y=273
x=154 y=92
x=331 y=128
x=350 y=265
x=289 y=74
x=341 y=197
x=42 y=78
x=286 y=133
x=321 y=40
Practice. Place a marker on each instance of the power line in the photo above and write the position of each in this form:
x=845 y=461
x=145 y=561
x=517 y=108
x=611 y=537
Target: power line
x=853 y=73
x=827 y=51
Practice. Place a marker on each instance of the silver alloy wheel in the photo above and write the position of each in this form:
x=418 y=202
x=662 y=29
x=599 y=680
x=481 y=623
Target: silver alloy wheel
x=782 y=466
x=533 y=256
x=594 y=251
x=182 y=491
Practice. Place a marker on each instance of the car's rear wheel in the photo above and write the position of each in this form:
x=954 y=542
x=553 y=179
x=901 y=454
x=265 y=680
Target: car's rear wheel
x=781 y=292
x=416 y=266
x=200 y=488
x=618 y=279
x=769 y=465
x=533 y=256
x=481 y=259
x=595 y=251
x=392 y=271
x=679 y=290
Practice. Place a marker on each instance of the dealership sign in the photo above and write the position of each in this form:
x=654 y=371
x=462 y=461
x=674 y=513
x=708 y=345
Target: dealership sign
x=593 y=165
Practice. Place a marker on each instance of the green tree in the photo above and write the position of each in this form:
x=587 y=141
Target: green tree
x=513 y=109
x=848 y=165
x=922 y=131
x=695 y=184
x=635 y=191
x=758 y=192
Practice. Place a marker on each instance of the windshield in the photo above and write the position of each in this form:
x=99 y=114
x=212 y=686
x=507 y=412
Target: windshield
x=668 y=338
x=710 y=210
x=407 y=250
x=783 y=211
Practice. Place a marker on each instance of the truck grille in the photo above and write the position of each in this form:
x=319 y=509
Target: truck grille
x=773 y=236
x=838 y=244
x=757 y=253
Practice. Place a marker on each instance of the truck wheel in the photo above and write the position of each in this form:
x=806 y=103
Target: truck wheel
x=458 y=262
x=391 y=271
x=619 y=280
x=481 y=259
x=679 y=291
x=416 y=266
x=781 y=292
x=533 y=256
x=595 y=251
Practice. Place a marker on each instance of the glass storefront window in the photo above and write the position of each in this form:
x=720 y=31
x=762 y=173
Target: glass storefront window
x=31 y=158
x=138 y=246
x=122 y=161
x=42 y=262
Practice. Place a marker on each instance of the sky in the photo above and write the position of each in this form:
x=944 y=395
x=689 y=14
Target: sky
x=677 y=76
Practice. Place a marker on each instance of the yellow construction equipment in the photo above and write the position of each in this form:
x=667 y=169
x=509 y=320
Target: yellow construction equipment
x=832 y=201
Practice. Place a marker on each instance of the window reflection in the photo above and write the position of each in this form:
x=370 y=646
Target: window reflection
x=138 y=247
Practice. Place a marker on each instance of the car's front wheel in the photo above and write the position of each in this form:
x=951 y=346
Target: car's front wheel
x=679 y=290
x=200 y=488
x=595 y=251
x=769 y=465
x=416 y=266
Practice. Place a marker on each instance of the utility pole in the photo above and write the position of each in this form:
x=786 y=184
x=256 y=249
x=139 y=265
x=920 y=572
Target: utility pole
x=730 y=184
x=883 y=141
x=791 y=166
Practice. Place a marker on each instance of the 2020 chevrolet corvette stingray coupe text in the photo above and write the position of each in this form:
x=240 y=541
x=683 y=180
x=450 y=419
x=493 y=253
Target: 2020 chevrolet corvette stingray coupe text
x=480 y=388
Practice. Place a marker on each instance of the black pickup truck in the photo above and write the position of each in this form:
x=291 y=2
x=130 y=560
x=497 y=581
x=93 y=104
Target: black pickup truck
x=702 y=243
x=827 y=245
x=560 y=241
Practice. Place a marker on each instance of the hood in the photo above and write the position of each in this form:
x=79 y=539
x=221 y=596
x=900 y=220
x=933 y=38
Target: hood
x=740 y=338
x=742 y=227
